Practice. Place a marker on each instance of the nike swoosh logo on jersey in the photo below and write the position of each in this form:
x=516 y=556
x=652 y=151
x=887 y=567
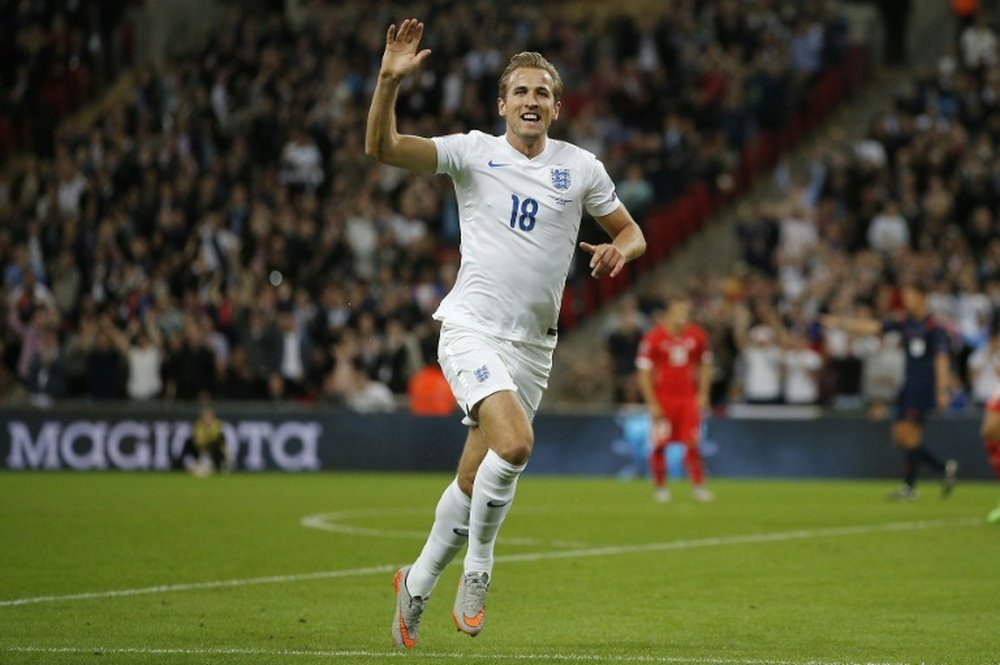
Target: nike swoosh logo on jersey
x=493 y=504
x=495 y=165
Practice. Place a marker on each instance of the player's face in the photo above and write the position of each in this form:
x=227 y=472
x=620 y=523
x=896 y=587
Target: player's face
x=679 y=311
x=530 y=105
x=913 y=301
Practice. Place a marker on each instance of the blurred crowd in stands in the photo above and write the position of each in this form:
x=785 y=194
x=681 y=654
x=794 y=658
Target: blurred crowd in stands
x=56 y=55
x=913 y=200
x=220 y=231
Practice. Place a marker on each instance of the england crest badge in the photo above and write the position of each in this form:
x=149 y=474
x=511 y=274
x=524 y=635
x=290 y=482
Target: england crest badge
x=560 y=179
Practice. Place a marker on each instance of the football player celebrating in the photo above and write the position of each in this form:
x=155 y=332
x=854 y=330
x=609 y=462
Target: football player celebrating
x=521 y=196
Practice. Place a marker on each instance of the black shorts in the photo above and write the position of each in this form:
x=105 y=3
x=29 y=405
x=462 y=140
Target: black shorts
x=914 y=405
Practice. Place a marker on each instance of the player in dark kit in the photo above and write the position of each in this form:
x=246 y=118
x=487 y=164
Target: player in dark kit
x=925 y=385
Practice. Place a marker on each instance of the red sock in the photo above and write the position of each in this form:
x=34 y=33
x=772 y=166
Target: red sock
x=658 y=465
x=993 y=452
x=695 y=469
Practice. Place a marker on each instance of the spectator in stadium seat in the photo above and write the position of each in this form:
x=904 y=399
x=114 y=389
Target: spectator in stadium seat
x=806 y=48
x=974 y=313
x=189 y=367
x=240 y=382
x=400 y=357
x=635 y=191
x=302 y=163
x=622 y=334
x=760 y=365
x=29 y=323
x=67 y=284
x=978 y=44
x=366 y=395
x=257 y=337
x=47 y=374
x=889 y=231
x=759 y=235
x=429 y=392
x=105 y=368
x=801 y=367
x=984 y=369
x=142 y=347
x=882 y=374
x=28 y=293
x=11 y=390
x=290 y=352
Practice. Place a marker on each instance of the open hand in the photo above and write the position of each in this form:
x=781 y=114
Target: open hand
x=401 y=56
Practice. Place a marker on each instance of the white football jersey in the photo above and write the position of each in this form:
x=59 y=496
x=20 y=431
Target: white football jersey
x=519 y=221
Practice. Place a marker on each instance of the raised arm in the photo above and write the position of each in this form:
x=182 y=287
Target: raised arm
x=117 y=336
x=152 y=329
x=382 y=141
x=853 y=325
x=627 y=243
x=942 y=378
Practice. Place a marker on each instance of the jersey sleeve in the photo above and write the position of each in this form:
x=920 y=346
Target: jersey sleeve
x=939 y=341
x=600 y=198
x=644 y=356
x=452 y=152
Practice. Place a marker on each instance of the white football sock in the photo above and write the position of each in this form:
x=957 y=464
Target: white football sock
x=492 y=494
x=448 y=535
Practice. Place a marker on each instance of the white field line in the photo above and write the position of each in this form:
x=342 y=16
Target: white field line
x=360 y=654
x=197 y=586
x=717 y=541
x=330 y=522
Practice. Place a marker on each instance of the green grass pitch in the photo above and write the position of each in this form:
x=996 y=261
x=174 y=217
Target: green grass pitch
x=139 y=568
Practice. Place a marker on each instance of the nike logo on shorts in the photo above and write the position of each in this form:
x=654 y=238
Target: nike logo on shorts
x=493 y=504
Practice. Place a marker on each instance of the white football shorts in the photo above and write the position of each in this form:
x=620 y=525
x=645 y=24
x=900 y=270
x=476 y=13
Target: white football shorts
x=477 y=365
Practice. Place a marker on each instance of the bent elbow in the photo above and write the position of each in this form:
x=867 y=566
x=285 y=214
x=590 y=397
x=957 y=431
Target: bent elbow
x=375 y=143
x=641 y=248
x=372 y=150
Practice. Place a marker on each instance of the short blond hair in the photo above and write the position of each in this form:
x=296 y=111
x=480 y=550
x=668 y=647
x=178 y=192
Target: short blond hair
x=534 y=60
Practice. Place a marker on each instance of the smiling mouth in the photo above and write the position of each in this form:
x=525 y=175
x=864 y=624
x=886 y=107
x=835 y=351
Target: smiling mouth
x=530 y=117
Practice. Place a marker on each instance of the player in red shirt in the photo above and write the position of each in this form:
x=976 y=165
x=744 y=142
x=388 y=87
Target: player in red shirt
x=675 y=373
x=990 y=432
